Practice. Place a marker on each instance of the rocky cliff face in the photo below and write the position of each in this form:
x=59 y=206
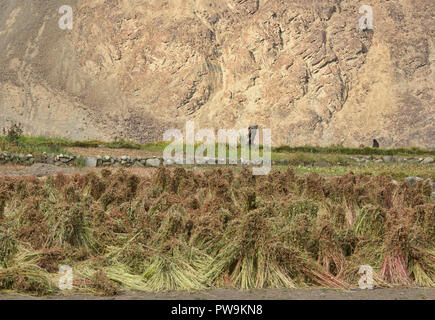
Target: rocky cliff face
x=133 y=68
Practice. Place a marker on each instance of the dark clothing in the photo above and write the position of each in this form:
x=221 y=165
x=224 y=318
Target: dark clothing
x=252 y=134
x=375 y=143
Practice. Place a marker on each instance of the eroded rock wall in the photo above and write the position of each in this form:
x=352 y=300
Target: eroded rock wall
x=133 y=68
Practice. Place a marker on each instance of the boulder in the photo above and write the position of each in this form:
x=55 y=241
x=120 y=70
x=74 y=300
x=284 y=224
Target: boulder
x=428 y=160
x=91 y=162
x=154 y=162
x=50 y=159
x=321 y=164
x=137 y=164
x=169 y=162
x=222 y=161
x=257 y=162
x=244 y=162
x=413 y=180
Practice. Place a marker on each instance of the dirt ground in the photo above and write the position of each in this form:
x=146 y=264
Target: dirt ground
x=43 y=170
x=38 y=169
x=269 y=294
x=94 y=152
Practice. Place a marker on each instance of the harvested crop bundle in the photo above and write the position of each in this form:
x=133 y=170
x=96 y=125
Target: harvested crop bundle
x=187 y=230
x=245 y=255
x=176 y=267
x=8 y=247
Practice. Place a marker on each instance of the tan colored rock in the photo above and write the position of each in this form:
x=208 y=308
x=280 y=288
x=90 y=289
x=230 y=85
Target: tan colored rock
x=133 y=68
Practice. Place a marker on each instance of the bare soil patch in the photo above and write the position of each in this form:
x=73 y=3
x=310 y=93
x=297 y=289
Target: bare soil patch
x=94 y=152
x=43 y=170
x=268 y=294
x=38 y=169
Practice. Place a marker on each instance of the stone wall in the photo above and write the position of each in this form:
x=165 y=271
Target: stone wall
x=71 y=160
x=126 y=161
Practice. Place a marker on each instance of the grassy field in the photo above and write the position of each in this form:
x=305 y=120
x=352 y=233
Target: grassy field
x=331 y=161
x=45 y=144
x=297 y=156
x=395 y=171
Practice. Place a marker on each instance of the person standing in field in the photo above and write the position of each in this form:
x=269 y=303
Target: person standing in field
x=375 y=143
